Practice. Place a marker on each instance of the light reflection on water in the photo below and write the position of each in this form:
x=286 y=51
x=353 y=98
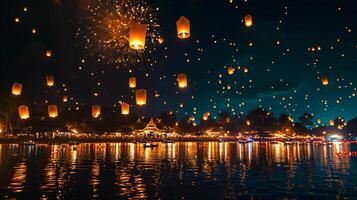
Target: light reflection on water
x=208 y=170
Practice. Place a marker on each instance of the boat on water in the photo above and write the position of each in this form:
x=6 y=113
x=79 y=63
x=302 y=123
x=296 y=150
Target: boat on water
x=150 y=145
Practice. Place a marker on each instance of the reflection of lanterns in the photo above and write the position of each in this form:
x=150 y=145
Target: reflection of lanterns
x=24 y=112
x=52 y=111
x=48 y=53
x=206 y=115
x=132 y=82
x=140 y=96
x=95 y=111
x=324 y=80
x=65 y=99
x=248 y=21
x=125 y=109
x=16 y=89
x=183 y=27
x=332 y=123
x=50 y=81
x=230 y=70
x=245 y=69
x=137 y=36
x=182 y=80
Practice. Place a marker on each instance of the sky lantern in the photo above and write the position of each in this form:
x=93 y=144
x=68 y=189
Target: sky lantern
x=132 y=82
x=245 y=69
x=48 y=53
x=16 y=89
x=248 y=21
x=137 y=36
x=125 y=109
x=247 y=122
x=182 y=80
x=230 y=70
x=206 y=115
x=183 y=27
x=332 y=123
x=52 y=111
x=96 y=111
x=140 y=96
x=65 y=99
x=50 y=81
x=324 y=80
x=24 y=112
x=160 y=40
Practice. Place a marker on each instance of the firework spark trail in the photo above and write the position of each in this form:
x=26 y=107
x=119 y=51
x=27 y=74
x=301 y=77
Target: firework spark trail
x=105 y=26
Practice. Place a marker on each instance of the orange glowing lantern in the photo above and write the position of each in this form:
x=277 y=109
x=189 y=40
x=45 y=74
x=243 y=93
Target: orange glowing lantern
x=125 y=108
x=160 y=40
x=24 y=112
x=96 y=111
x=324 y=80
x=206 y=115
x=137 y=36
x=50 y=81
x=52 y=111
x=65 y=99
x=231 y=70
x=132 y=82
x=245 y=69
x=48 y=53
x=247 y=123
x=248 y=21
x=182 y=80
x=183 y=27
x=16 y=89
x=140 y=96
x=332 y=123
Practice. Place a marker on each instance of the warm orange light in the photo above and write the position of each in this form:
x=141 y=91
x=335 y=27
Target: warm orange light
x=132 y=82
x=16 y=89
x=137 y=36
x=125 y=108
x=206 y=115
x=245 y=69
x=324 y=80
x=332 y=123
x=160 y=40
x=182 y=80
x=52 y=111
x=24 y=112
x=65 y=99
x=231 y=70
x=50 y=81
x=96 y=111
x=247 y=123
x=140 y=97
x=183 y=27
x=248 y=21
x=48 y=53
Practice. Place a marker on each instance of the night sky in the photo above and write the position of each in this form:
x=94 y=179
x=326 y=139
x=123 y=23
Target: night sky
x=283 y=71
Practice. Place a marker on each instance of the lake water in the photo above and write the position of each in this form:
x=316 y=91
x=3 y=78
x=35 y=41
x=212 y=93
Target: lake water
x=183 y=170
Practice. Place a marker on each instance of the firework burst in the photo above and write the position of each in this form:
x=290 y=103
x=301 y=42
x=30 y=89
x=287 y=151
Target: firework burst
x=105 y=26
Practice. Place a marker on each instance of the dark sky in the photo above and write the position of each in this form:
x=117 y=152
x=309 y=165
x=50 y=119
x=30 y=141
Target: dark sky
x=282 y=77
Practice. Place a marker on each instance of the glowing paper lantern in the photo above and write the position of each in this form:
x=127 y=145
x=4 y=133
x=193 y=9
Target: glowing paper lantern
x=248 y=21
x=24 y=112
x=50 y=80
x=183 y=27
x=16 y=89
x=137 y=36
x=125 y=108
x=247 y=123
x=132 y=82
x=52 y=111
x=140 y=96
x=160 y=40
x=332 y=123
x=48 y=53
x=95 y=111
x=324 y=80
x=65 y=99
x=245 y=69
x=182 y=80
x=231 y=70
x=206 y=115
